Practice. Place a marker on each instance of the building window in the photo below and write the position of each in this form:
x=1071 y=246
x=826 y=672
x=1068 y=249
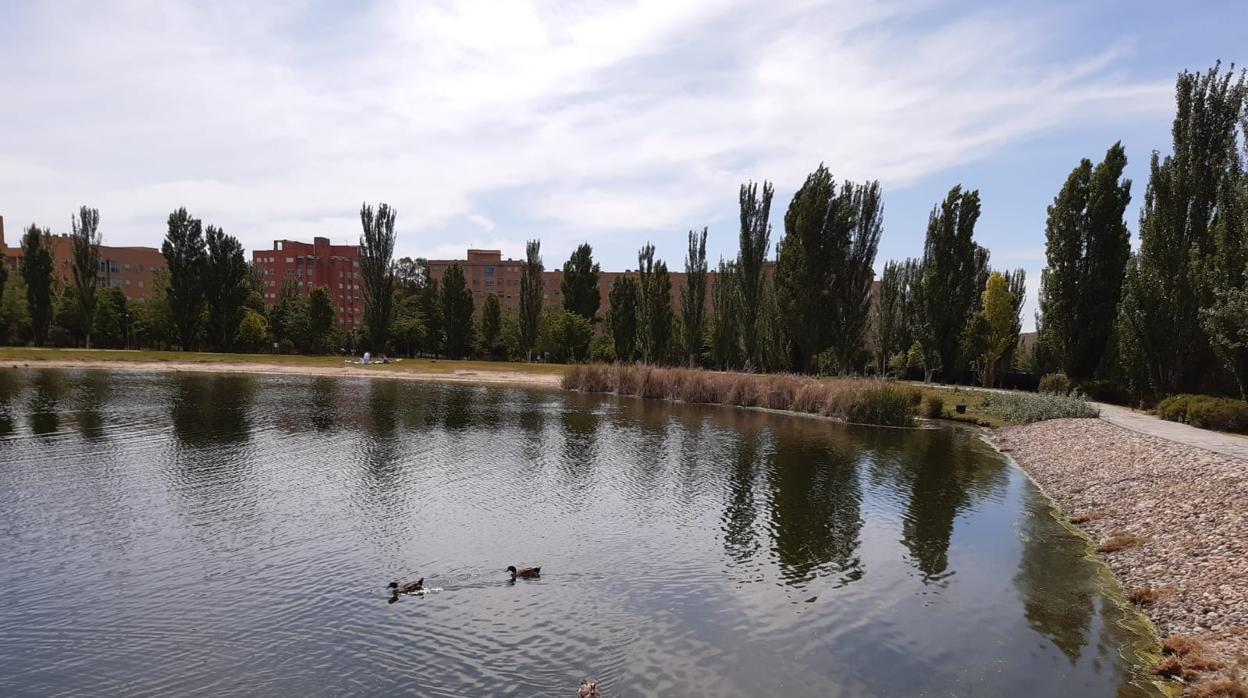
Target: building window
x=127 y=267
x=290 y=260
x=140 y=284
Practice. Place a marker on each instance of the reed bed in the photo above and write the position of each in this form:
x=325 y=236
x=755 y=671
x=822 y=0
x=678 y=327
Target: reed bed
x=858 y=400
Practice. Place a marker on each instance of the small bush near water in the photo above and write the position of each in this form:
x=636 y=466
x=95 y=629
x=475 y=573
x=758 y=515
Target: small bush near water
x=1205 y=412
x=859 y=400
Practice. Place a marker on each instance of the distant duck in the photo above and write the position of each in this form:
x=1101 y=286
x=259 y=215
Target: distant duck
x=524 y=572
x=588 y=690
x=408 y=588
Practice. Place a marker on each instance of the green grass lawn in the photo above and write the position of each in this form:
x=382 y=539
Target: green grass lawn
x=977 y=411
x=29 y=354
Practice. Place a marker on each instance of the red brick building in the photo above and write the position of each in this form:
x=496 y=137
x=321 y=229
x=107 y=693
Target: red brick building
x=129 y=268
x=487 y=272
x=336 y=267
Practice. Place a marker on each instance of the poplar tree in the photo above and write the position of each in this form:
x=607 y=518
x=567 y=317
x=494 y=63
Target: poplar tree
x=693 y=297
x=725 y=316
x=655 y=303
x=37 y=265
x=579 y=285
x=186 y=258
x=954 y=272
x=320 y=319
x=888 y=318
x=754 y=241
x=816 y=226
x=85 y=240
x=457 y=307
x=377 y=272
x=532 y=289
x=622 y=317
x=491 y=324
x=850 y=289
x=1168 y=280
x=1087 y=246
x=225 y=286
x=998 y=314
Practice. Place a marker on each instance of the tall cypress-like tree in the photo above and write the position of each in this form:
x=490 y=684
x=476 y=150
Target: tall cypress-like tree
x=225 y=286
x=185 y=255
x=954 y=272
x=725 y=316
x=655 y=319
x=377 y=272
x=37 y=265
x=491 y=324
x=579 y=286
x=1225 y=319
x=532 y=290
x=1167 y=279
x=1087 y=246
x=889 y=319
x=86 y=264
x=457 y=310
x=816 y=228
x=320 y=320
x=4 y=282
x=1016 y=281
x=755 y=240
x=999 y=316
x=430 y=305
x=851 y=279
x=693 y=297
x=622 y=317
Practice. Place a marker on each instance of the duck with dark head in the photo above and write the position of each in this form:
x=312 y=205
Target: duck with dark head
x=524 y=572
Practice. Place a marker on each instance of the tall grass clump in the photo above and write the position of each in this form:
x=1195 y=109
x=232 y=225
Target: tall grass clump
x=1025 y=408
x=859 y=400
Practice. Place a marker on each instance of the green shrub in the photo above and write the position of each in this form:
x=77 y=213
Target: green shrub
x=602 y=350
x=1206 y=412
x=1055 y=383
x=1174 y=409
x=1025 y=408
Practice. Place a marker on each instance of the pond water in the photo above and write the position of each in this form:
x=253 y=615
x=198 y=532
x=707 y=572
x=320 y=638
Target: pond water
x=199 y=534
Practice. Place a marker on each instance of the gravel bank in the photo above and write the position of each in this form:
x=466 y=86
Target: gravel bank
x=1180 y=514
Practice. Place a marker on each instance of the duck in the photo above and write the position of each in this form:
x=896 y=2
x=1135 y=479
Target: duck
x=524 y=572
x=409 y=587
x=588 y=690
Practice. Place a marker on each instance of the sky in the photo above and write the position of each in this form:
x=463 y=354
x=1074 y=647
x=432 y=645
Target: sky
x=615 y=123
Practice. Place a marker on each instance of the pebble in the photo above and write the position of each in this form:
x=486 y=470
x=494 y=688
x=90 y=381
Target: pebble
x=1189 y=505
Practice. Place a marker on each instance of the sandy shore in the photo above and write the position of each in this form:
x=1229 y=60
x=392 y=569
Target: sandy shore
x=397 y=372
x=1170 y=520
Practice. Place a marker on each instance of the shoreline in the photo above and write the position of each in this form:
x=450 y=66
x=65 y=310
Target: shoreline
x=394 y=371
x=1171 y=522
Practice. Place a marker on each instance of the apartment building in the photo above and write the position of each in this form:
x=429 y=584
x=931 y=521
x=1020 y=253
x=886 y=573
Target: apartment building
x=129 y=268
x=487 y=272
x=308 y=265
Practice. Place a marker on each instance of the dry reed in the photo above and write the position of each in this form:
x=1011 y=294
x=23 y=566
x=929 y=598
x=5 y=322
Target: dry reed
x=860 y=400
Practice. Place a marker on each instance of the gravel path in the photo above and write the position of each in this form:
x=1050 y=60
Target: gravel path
x=1179 y=512
x=1226 y=444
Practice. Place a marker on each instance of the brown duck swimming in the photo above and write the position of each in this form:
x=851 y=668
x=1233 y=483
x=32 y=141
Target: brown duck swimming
x=524 y=572
x=408 y=587
x=588 y=690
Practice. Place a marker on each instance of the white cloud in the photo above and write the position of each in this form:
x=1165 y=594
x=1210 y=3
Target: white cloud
x=507 y=118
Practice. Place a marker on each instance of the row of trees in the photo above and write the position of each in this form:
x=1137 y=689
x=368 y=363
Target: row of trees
x=1172 y=316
